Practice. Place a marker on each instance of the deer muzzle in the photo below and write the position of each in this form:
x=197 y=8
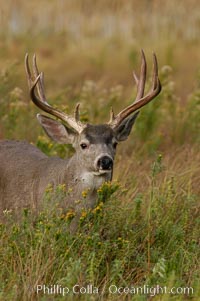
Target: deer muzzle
x=105 y=163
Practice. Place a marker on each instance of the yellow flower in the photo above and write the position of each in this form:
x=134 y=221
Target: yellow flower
x=70 y=214
x=84 y=193
x=62 y=187
x=49 y=188
x=98 y=208
x=83 y=215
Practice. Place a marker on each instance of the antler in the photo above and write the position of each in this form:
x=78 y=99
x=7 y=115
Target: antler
x=37 y=80
x=140 y=99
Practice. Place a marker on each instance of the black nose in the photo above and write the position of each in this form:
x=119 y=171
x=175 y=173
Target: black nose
x=105 y=163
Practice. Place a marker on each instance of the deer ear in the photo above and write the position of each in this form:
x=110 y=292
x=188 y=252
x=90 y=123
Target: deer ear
x=123 y=130
x=56 y=130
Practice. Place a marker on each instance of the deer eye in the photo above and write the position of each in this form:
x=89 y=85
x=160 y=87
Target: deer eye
x=115 y=144
x=84 y=145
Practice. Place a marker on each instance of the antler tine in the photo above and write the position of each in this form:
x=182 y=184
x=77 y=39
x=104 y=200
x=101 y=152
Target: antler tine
x=28 y=72
x=140 y=83
x=112 y=116
x=42 y=103
x=76 y=112
x=140 y=100
x=155 y=71
x=40 y=85
x=155 y=80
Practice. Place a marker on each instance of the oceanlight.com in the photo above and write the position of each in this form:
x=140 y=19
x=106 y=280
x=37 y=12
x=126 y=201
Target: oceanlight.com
x=112 y=289
x=151 y=290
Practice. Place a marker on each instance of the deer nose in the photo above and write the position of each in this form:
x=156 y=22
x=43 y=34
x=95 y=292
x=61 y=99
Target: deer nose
x=105 y=163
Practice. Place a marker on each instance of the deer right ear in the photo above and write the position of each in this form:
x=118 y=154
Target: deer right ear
x=123 y=130
x=56 y=130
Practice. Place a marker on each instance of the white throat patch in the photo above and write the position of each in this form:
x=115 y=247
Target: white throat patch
x=93 y=180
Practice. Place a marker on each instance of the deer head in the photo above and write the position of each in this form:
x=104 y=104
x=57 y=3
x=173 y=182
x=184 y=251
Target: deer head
x=95 y=145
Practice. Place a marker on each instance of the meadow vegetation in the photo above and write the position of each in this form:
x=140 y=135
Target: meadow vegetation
x=145 y=227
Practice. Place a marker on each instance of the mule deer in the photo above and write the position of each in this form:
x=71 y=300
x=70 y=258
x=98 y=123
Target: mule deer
x=25 y=171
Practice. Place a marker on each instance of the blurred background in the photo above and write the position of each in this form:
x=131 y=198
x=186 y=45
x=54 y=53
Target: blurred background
x=97 y=39
x=88 y=50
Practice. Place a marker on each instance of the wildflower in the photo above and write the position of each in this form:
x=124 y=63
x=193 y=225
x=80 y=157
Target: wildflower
x=98 y=208
x=62 y=216
x=99 y=190
x=49 y=188
x=62 y=187
x=70 y=214
x=85 y=193
x=83 y=215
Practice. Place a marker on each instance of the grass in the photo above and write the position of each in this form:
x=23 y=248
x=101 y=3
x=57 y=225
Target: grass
x=147 y=239
x=144 y=230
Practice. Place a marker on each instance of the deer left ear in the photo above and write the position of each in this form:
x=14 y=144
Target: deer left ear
x=123 y=130
x=56 y=130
